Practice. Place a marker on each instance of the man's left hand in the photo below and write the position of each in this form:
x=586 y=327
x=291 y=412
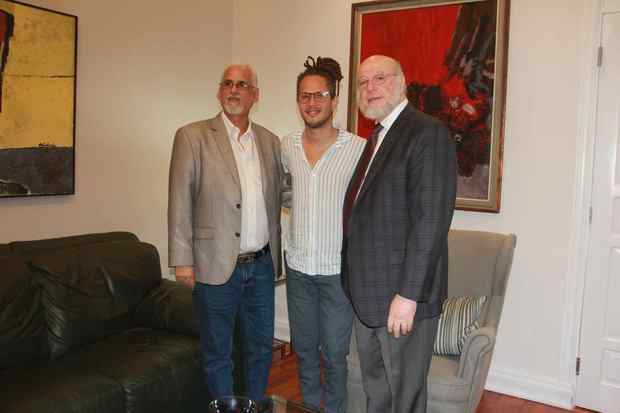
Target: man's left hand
x=400 y=318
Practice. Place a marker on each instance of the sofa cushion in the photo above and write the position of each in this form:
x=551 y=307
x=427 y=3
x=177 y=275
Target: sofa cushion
x=159 y=371
x=22 y=332
x=168 y=307
x=59 y=386
x=458 y=318
x=90 y=291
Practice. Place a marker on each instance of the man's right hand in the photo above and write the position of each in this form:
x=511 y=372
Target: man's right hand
x=185 y=275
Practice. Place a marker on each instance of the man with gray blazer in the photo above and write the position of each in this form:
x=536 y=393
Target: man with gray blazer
x=397 y=213
x=224 y=231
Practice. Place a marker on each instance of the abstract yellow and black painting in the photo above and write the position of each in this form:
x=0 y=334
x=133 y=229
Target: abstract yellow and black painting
x=37 y=100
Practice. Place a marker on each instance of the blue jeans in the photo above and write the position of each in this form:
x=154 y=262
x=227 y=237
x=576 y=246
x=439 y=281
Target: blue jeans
x=249 y=293
x=321 y=318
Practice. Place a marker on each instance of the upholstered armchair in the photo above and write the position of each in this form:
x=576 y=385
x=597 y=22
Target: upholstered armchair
x=479 y=266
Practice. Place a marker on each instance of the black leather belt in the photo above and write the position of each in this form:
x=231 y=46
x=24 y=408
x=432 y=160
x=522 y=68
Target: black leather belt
x=250 y=257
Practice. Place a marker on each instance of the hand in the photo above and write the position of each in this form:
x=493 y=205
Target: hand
x=400 y=318
x=185 y=275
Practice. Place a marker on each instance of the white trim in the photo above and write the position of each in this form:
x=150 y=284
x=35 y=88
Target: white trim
x=611 y=6
x=538 y=389
x=580 y=231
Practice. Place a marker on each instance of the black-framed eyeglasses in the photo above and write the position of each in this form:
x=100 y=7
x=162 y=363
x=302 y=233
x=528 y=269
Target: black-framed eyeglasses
x=322 y=96
x=241 y=84
x=376 y=80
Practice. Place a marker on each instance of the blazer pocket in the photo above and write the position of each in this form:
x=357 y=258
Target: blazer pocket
x=397 y=257
x=204 y=233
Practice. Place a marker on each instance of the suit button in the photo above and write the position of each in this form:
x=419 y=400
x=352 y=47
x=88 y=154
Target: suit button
x=237 y=234
x=238 y=206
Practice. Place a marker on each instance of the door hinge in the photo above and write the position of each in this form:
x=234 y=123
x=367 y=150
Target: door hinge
x=578 y=366
x=590 y=216
x=599 y=57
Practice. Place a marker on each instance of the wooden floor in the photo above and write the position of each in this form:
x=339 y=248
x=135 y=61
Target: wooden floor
x=283 y=381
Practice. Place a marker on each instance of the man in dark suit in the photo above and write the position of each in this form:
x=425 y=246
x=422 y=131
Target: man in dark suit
x=397 y=213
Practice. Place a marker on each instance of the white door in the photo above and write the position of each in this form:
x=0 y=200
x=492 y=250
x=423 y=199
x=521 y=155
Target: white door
x=598 y=385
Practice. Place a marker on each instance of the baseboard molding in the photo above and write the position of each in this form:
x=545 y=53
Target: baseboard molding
x=537 y=389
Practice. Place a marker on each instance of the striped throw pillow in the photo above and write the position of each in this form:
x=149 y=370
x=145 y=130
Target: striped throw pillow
x=458 y=319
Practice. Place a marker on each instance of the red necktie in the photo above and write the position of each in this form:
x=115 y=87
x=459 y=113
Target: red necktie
x=358 y=178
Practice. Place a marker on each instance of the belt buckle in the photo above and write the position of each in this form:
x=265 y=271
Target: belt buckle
x=246 y=258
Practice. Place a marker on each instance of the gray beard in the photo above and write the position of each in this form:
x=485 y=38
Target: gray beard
x=233 y=109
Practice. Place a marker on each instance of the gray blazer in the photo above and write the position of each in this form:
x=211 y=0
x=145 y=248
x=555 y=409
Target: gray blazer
x=396 y=242
x=204 y=199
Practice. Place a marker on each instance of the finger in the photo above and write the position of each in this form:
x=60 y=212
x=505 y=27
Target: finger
x=396 y=330
x=406 y=328
x=186 y=281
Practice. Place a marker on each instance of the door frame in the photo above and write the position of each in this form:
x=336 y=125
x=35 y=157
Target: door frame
x=584 y=173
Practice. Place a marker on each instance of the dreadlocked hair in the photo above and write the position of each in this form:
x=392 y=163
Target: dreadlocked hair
x=327 y=68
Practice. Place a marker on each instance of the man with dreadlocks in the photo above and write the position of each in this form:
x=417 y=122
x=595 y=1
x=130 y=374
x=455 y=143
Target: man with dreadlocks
x=320 y=160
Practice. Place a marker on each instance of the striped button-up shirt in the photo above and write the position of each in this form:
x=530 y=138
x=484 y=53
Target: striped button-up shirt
x=315 y=234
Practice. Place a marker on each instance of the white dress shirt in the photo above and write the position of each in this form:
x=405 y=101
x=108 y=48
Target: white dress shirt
x=254 y=225
x=387 y=124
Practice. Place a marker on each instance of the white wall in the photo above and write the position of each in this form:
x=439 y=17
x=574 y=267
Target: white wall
x=541 y=135
x=145 y=67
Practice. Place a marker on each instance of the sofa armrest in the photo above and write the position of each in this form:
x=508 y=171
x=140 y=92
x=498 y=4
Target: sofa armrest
x=478 y=344
x=475 y=362
x=168 y=307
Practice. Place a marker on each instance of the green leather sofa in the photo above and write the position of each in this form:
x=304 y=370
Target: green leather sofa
x=87 y=324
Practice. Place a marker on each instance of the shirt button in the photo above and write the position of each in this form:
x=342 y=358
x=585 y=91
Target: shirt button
x=238 y=206
x=237 y=234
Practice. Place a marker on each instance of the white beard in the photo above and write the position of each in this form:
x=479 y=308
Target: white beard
x=379 y=113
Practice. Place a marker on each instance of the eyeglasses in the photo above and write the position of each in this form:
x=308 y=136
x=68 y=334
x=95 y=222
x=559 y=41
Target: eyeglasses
x=305 y=97
x=242 y=84
x=376 y=80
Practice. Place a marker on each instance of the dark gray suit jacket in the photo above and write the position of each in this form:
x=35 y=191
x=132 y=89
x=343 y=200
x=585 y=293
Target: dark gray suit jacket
x=396 y=240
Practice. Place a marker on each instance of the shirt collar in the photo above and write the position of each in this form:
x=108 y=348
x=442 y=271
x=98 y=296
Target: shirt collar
x=232 y=130
x=341 y=138
x=391 y=118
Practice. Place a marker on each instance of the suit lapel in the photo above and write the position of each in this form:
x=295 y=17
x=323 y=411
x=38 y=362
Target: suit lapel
x=263 y=156
x=223 y=142
x=381 y=157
